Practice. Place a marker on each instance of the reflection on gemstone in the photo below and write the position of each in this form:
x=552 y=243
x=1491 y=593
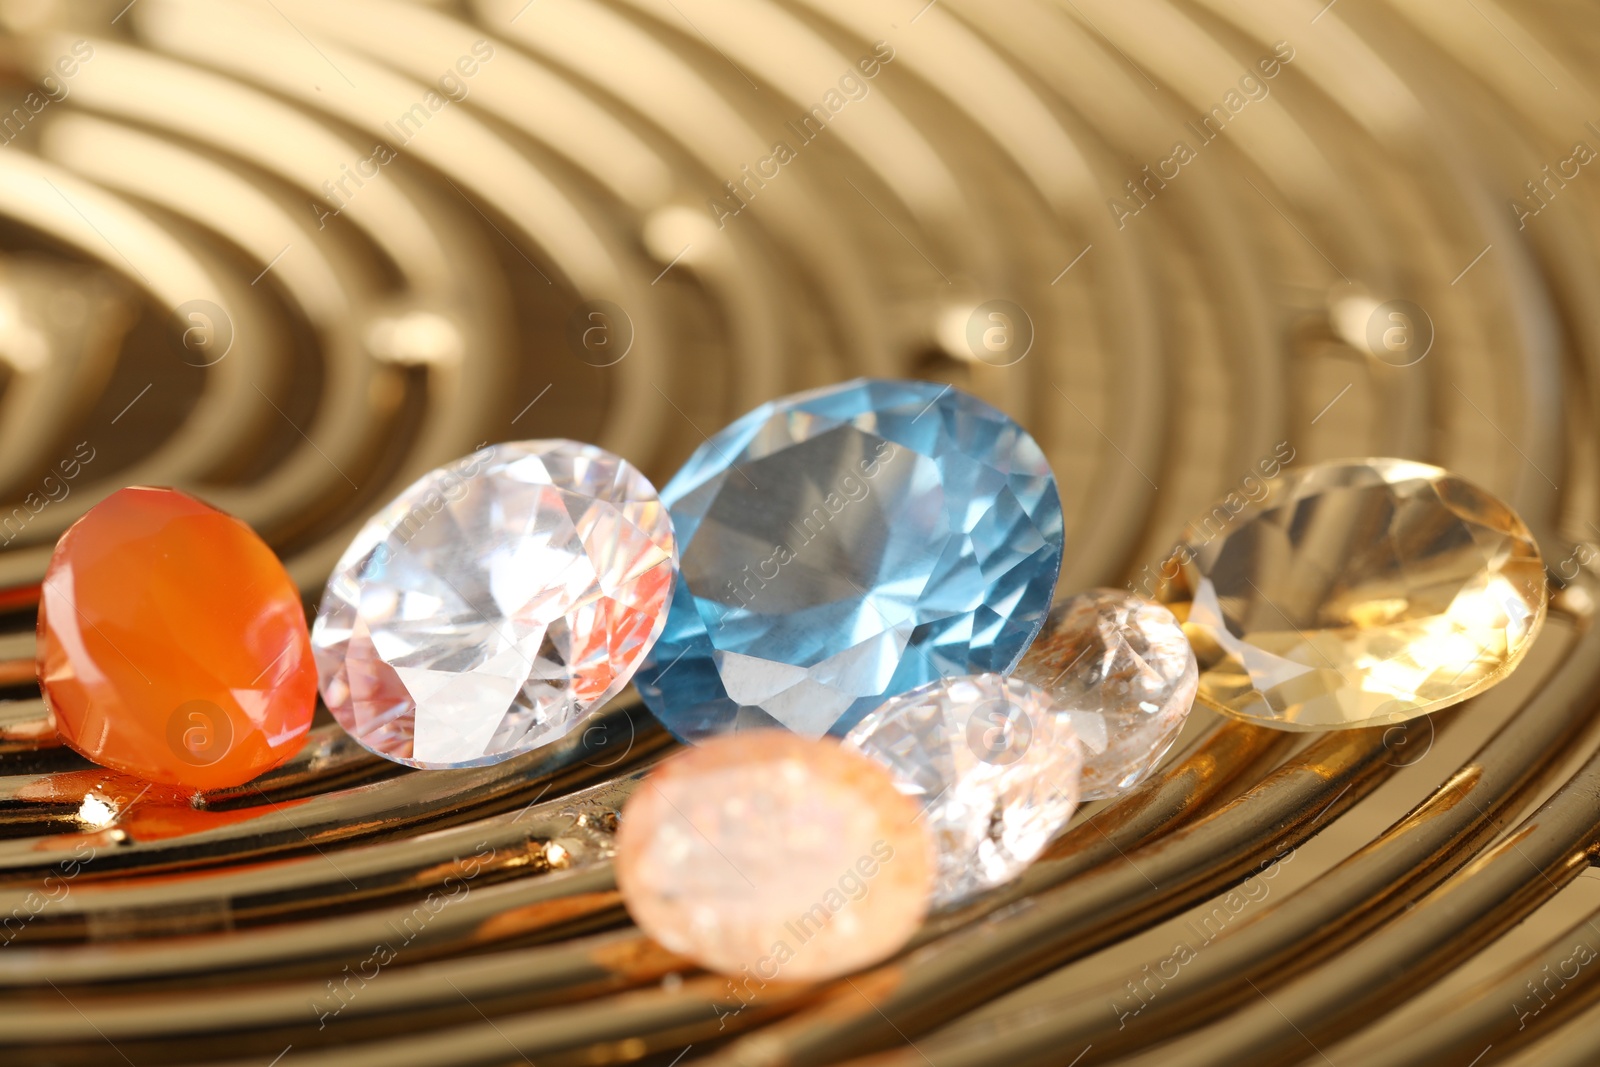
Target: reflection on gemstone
x=1122 y=668
x=847 y=544
x=993 y=762
x=1356 y=593
x=493 y=603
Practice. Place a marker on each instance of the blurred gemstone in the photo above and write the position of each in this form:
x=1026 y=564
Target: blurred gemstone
x=493 y=603
x=1121 y=667
x=172 y=644
x=848 y=544
x=1356 y=593
x=774 y=857
x=995 y=765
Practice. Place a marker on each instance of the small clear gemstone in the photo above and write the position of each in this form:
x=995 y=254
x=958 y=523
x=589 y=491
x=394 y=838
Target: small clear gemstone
x=494 y=602
x=1122 y=668
x=773 y=857
x=993 y=761
x=1356 y=593
x=847 y=544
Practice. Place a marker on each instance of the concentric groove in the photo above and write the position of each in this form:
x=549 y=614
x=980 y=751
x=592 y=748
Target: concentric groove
x=1183 y=329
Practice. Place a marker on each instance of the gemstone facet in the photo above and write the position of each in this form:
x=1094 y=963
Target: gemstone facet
x=847 y=544
x=1121 y=667
x=1356 y=593
x=774 y=856
x=172 y=644
x=493 y=603
x=995 y=765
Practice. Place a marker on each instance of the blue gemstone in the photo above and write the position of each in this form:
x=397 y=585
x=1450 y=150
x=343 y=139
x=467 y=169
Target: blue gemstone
x=845 y=545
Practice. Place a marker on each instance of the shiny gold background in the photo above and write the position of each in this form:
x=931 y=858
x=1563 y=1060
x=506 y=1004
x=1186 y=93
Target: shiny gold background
x=289 y=254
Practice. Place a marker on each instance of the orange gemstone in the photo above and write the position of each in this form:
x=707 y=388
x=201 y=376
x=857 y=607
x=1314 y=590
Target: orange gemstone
x=172 y=644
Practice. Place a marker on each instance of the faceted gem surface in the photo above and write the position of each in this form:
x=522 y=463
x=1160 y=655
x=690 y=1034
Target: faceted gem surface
x=847 y=544
x=995 y=765
x=494 y=602
x=793 y=858
x=1121 y=667
x=172 y=644
x=1356 y=593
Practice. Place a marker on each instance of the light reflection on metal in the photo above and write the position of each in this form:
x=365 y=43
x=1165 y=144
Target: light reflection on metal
x=401 y=285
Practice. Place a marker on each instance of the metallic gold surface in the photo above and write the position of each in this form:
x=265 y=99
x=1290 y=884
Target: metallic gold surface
x=288 y=255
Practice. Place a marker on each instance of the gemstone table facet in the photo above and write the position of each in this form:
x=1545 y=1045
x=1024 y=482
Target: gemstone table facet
x=847 y=544
x=995 y=765
x=1122 y=669
x=1356 y=593
x=774 y=857
x=172 y=644
x=493 y=603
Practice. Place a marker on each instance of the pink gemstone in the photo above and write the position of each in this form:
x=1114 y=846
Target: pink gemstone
x=764 y=850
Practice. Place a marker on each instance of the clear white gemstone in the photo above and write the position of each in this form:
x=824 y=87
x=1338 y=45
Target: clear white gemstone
x=994 y=763
x=493 y=603
x=1121 y=666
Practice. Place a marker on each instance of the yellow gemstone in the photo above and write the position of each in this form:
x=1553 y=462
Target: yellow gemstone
x=1355 y=593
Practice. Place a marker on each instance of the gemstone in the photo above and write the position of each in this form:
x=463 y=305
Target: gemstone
x=774 y=857
x=994 y=764
x=172 y=643
x=1355 y=593
x=493 y=603
x=847 y=544
x=1122 y=669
